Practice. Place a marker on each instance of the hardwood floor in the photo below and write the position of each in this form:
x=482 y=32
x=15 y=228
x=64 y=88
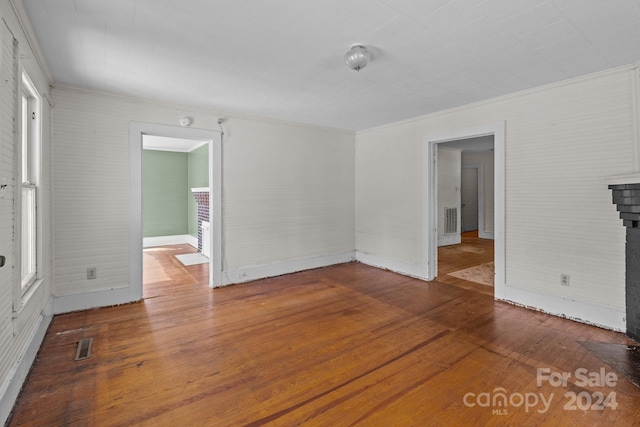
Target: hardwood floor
x=336 y=346
x=472 y=252
x=163 y=274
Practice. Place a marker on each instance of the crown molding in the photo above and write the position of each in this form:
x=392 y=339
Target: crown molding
x=508 y=96
x=30 y=34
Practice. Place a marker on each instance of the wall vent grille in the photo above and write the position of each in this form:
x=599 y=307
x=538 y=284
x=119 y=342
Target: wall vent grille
x=450 y=220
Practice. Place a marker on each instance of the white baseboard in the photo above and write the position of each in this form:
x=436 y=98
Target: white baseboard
x=242 y=275
x=149 y=242
x=67 y=303
x=450 y=239
x=18 y=373
x=486 y=235
x=603 y=316
x=397 y=266
x=600 y=315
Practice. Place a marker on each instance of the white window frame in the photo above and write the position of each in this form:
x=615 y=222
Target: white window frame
x=28 y=194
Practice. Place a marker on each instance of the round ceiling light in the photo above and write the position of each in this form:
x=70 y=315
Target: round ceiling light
x=357 y=57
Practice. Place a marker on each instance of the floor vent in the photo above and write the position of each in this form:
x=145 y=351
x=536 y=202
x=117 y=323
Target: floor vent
x=84 y=349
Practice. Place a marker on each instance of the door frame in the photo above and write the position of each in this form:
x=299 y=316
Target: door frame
x=429 y=218
x=214 y=138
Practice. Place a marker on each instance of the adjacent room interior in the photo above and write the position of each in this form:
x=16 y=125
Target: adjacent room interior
x=175 y=206
x=466 y=206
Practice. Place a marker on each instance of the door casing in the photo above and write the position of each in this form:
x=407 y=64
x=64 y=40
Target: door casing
x=429 y=238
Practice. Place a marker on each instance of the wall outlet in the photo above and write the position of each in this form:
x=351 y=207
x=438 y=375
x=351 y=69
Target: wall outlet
x=564 y=279
x=92 y=273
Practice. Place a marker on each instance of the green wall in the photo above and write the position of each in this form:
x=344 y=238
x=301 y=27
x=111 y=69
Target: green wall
x=198 y=166
x=165 y=193
x=168 y=207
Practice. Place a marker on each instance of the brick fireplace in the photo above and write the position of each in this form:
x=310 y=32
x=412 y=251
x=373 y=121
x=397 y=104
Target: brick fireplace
x=627 y=199
x=202 y=199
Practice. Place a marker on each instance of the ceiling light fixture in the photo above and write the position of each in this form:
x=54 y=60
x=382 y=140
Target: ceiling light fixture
x=357 y=57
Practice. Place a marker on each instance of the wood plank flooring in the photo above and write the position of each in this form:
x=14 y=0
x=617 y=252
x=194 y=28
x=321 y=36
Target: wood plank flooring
x=337 y=346
x=470 y=253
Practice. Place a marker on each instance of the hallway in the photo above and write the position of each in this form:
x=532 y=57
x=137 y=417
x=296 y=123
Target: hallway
x=472 y=252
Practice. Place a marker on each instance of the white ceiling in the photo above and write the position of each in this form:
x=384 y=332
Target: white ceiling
x=283 y=59
x=165 y=143
x=477 y=144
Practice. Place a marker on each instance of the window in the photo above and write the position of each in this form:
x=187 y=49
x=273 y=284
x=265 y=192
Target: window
x=29 y=173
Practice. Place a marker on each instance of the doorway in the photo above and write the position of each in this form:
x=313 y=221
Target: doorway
x=175 y=179
x=430 y=216
x=137 y=132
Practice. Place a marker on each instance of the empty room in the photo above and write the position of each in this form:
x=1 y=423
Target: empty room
x=384 y=212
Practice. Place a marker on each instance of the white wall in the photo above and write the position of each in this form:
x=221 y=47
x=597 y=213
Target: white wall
x=388 y=195
x=21 y=330
x=485 y=158
x=561 y=143
x=288 y=190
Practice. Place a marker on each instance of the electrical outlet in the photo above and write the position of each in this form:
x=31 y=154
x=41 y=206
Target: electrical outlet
x=564 y=279
x=92 y=273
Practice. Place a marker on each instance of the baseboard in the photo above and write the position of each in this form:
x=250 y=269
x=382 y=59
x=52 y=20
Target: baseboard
x=486 y=235
x=600 y=315
x=453 y=239
x=149 y=242
x=397 y=266
x=67 y=303
x=242 y=275
x=603 y=316
x=18 y=373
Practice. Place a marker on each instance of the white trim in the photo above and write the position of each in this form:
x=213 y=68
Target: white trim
x=36 y=296
x=135 y=209
x=215 y=210
x=179 y=239
x=429 y=197
x=195 y=110
x=77 y=301
x=600 y=315
x=147 y=146
x=449 y=239
x=136 y=131
x=635 y=101
x=17 y=375
x=397 y=266
x=632 y=178
x=32 y=40
x=242 y=275
x=509 y=96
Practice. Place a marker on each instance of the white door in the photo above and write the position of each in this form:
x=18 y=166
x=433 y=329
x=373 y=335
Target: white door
x=449 y=183
x=469 y=199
